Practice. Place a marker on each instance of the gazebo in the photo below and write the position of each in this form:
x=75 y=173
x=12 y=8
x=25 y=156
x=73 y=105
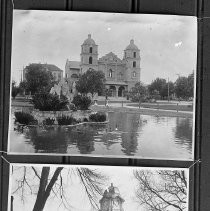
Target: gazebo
x=111 y=200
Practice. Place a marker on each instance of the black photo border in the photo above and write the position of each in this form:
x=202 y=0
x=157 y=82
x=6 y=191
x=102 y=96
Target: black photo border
x=199 y=173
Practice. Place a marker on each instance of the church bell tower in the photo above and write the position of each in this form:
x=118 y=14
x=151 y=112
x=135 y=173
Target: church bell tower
x=89 y=55
x=132 y=60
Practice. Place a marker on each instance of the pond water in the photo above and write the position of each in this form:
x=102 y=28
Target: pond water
x=126 y=134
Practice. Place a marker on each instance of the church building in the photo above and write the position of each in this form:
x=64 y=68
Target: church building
x=121 y=74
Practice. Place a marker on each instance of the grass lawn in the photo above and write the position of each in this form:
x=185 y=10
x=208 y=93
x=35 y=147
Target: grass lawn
x=168 y=113
x=164 y=106
x=21 y=103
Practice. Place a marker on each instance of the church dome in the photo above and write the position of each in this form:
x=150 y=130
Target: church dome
x=89 y=41
x=132 y=46
x=113 y=189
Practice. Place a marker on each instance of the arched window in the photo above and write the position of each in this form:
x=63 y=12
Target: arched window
x=134 y=64
x=134 y=74
x=91 y=50
x=110 y=73
x=90 y=60
x=134 y=54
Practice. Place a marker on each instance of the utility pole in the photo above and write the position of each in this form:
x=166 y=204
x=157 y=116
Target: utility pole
x=168 y=91
x=12 y=199
x=21 y=75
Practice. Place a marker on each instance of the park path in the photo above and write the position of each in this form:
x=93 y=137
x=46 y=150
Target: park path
x=117 y=105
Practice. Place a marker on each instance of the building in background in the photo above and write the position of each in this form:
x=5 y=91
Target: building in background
x=56 y=71
x=121 y=74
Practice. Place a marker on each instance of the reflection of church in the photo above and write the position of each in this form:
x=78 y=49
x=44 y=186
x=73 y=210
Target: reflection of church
x=121 y=74
x=111 y=200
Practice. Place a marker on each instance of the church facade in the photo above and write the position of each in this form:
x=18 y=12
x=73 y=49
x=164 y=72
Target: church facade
x=121 y=74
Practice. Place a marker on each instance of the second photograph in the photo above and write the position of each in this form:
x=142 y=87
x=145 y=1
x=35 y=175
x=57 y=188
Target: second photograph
x=97 y=188
x=103 y=84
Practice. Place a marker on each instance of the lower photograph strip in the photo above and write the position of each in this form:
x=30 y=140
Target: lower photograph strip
x=99 y=188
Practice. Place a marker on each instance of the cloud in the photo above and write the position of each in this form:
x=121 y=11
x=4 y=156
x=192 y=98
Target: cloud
x=178 y=44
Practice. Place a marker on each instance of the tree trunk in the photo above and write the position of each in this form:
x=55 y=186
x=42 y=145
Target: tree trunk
x=39 y=204
x=44 y=189
x=51 y=183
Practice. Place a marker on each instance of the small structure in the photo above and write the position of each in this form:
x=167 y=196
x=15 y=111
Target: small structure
x=111 y=200
x=62 y=88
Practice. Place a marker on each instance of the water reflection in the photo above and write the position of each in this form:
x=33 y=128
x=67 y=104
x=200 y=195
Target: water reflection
x=183 y=133
x=125 y=134
x=47 y=140
x=130 y=127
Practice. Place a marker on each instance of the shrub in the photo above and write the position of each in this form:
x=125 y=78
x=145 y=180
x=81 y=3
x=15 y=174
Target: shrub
x=81 y=102
x=49 y=102
x=136 y=99
x=49 y=121
x=79 y=120
x=98 y=117
x=15 y=91
x=66 y=120
x=72 y=107
x=85 y=119
x=25 y=118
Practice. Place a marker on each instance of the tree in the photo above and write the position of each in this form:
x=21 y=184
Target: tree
x=49 y=102
x=138 y=92
x=167 y=89
x=184 y=86
x=91 y=82
x=15 y=89
x=45 y=187
x=158 y=85
x=38 y=78
x=181 y=87
x=162 y=190
x=82 y=102
x=51 y=182
x=190 y=79
x=23 y=87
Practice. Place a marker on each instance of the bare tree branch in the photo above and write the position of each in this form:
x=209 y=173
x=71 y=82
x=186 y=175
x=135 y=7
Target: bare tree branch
x=162 y=189
x=50 y=183
x=36 y=173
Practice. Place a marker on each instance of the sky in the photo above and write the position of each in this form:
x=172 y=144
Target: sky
x=167 y=43
x=121 y=177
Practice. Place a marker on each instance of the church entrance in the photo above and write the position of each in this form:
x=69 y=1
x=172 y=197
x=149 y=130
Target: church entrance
x=121 y=91
x=112 y=91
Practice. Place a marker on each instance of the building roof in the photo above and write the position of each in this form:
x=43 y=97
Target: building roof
x=132 y=46
x=74 y=64
x=52 y=67
x=49 y=67
x=89 y=41
x=110 y=58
